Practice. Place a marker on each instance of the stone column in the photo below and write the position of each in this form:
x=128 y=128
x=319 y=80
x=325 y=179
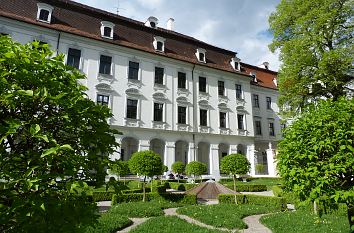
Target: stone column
x=214 y=161
x=144 y=145
x=251 y=158
x=169 y=157
x=192 y=152
x=270 y=160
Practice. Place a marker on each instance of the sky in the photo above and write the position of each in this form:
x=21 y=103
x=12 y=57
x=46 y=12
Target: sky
x=237 y=25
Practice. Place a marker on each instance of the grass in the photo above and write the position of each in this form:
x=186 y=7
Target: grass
x=306 y=222
x=269 y=182
x=170 y=224
x=109 y=222
x=143 y=209
x=223 y=215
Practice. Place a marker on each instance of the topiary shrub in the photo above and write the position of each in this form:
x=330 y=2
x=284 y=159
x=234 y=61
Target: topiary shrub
x=102 y=196
x=171 y=197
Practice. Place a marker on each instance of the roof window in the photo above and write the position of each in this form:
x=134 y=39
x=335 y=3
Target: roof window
x=200 y=54
x=159 y=43
x=44 y=13
x=107 y=29
x=235 y=63
x=152 y=22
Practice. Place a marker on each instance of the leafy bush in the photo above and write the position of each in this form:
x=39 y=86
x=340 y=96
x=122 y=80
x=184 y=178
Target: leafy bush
x=278 y=203
x=102 y=196
x=109 y=222
x=277 y=191
x=172 y=197
x=181 y=186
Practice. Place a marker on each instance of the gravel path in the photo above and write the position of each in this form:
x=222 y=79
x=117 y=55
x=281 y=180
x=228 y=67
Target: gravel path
x=136 y=222
x=254 y=226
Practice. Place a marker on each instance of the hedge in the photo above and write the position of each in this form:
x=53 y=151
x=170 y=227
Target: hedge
x=170 y=197
x=102 y=196
x=182 y=187
x=276 y=202
x=277 y=191
x=248 y=187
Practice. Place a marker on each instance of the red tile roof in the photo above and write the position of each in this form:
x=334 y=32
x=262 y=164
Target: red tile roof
x=75 y=18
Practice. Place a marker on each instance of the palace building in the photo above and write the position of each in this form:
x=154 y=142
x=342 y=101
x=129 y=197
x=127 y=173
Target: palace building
x=171 y=93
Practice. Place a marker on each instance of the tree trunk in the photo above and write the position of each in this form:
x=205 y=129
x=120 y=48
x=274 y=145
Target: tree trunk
x=144 y=189
x=351 y=217
x=315 y=208
x=234 y=178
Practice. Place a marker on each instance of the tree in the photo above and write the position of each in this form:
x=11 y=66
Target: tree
x=235 y=164
x=119 y=168
x=196 y=168
x=178 y=167
x=52 y=137
x=316 y=158
x=146 y=163
x=315 y=39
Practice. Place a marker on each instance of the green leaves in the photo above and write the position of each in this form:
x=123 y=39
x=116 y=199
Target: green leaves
x=235 y=164
x=34 y=129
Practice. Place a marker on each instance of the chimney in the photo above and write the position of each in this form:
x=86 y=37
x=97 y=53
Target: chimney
x=265 y=65
x=170 y=24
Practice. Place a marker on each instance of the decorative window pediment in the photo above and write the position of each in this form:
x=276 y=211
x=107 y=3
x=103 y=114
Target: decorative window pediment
x=104 y=87
x=182 y=100
x=204 y=103
x=159 y=96
x=133 y=92
x=223 y=106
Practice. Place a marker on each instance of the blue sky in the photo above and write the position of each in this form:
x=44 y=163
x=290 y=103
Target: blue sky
x=236 y=25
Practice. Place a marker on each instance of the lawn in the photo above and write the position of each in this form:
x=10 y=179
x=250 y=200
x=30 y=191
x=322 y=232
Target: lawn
x=170 y=224
x=306 y=222
x=223 y=215
x=109 y=222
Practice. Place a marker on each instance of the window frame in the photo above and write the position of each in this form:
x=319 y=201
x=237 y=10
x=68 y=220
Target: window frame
x=255 y=100
x=221 y=88
x=184 y=76
x=201 y=122
x=258 y=128
x=242 y=122
x=102 y=102
x=204 y=86
x=222 y=119
x=133 y=71
x=160 y=114
x=269 y=102
x=271 y=128
x=199 y=52
x=102 y=72
x=239 y=92
x=158 y=39
x=128 y=114
x=181 y=119
x=159 y=77
x=46 y=7
x=78 y=62
x=107 y=24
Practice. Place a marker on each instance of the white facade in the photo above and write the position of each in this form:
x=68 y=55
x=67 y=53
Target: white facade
x=172 y=140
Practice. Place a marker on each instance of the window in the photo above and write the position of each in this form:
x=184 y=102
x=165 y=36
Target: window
x=235 y=63
x=255 y=101
x=258 y=127
x=159 y=43
x=222 y=118
x=74 y=56
x=271 y=129
x=107 y=29
x=44 y=13
x=221 y=88
x=203 y=114
x=133 y=70
x=181 y=80
x=269 y=102
x=132 y=108
x=182 y=113
x=159 y=75
x=102 y=99
x=200 y=54
x=240 y=121
x=153 y=24
x=202 y=84
x=239 y=91
x=158 y=112
x=105 y=64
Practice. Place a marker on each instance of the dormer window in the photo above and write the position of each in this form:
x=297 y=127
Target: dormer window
x=159 y=44
x=254 y=76
x=200 y=54
x=44 y=13
x=107 y=29
x=235 y=63
x=151 y=22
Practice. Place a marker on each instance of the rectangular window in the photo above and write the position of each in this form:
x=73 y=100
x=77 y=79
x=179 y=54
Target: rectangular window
x=159 y=46
x=102 y=99
x=107 y=31
x=133 y=70
x=159 y=75
x=258 y=127
x=182 y=113
x=201 y=57
x=239 y=91
x=158 y=112
x=221 y=88
x=222 y=116
x=255 y=101
x=132 y=108
x=44 y=15
x=181 y=80
x=271 y=129
x=105 y=64
x=240 y=123
x=269 y=103
x=74 y=56
x=203 y=114
x=202 y=84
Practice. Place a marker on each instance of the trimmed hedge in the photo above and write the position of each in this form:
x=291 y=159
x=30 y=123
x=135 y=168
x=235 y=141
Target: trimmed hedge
x=247 y=187
x=277 y=191
x=170 y=197
x=182 y=186
x=102 y=196
x=276 y=202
